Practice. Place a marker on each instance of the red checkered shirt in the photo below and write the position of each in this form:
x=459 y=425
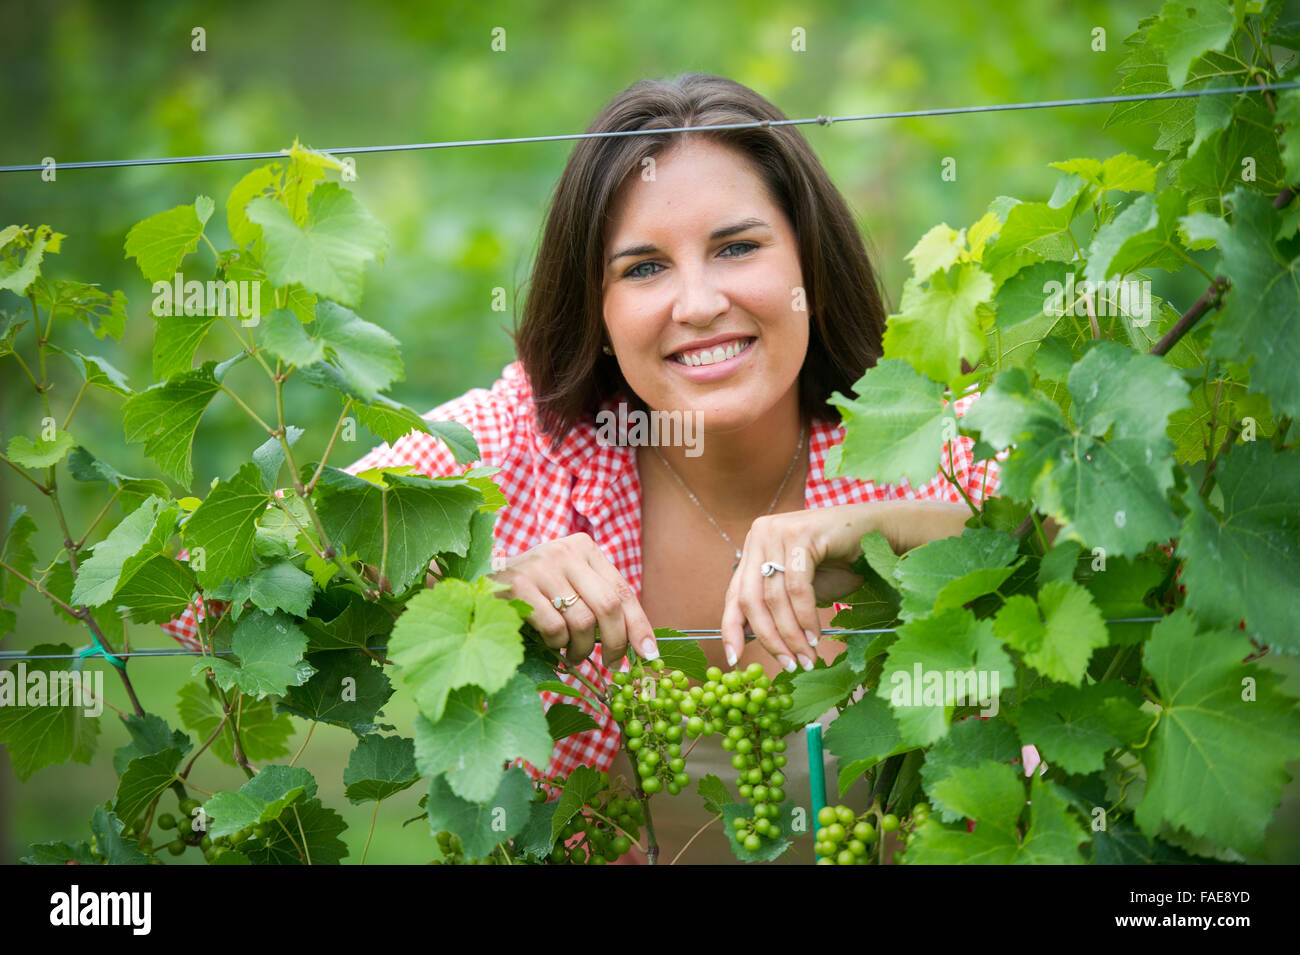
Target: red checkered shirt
x=590 y=486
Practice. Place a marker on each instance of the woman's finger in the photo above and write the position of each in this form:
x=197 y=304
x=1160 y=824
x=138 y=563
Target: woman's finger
x=636 y=628
x=546 y=620
x=778 y=598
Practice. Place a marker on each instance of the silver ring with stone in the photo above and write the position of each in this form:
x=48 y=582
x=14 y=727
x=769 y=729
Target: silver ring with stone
x=564 y=603
x=771 y=567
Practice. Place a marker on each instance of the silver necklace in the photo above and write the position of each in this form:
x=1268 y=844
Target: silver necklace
x=771 y=507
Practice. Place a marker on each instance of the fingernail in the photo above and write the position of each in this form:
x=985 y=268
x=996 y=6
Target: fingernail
x=649 y=652
x=805 y=662
x=810 y=637
x=731 y=657
x=788 y=664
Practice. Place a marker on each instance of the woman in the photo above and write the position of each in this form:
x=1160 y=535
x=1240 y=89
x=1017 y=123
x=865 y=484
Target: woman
x=719 y=276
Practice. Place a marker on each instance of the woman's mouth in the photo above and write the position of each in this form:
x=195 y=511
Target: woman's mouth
x=713 y=362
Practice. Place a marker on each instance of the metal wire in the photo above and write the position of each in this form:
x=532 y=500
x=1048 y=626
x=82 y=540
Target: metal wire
x=686 y=635
x=820 y=120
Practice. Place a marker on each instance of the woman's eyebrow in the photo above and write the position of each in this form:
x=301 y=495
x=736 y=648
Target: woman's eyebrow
x=722 y=233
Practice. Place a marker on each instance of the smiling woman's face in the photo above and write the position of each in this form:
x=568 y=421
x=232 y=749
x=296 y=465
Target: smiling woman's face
x=677 y=288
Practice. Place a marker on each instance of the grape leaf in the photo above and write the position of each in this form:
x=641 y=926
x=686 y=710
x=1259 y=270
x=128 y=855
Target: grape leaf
x=894 y=428
x=993 y=795
x=863 y=735
x=142 y=535
x=953 y=571
x=262 y=735
x=936 y=664
x=684 y=655
x=101 y=312
x=969 y=742
x=380 y=766
x=1121 y=843
x=470 y=743
x=770 y=848
x=38 y=735
x=480 y=826
x=59 y=853
x=1034 y=228
x=1216 y=762
x=270 y=649
x=165 y=417
x=1185 y=32
x=367 y=358
x=17 y=278
x=134 y=491
x=424 y=517
x=261 y=799
x=146 y=778
x=327 y=255
x=1242 y=567
x=1261 y=321
x=347 y=689
x=17 y=553
x=342 y=619
x=282 y=586
x=1075 y=727
x=535 y=840
x=252 y=185
x=309 y=834
x=565 y=719
x=1111 y=493
x=1060 y=642
x=390 y=420
x=1143 y=236
x=40 y=453
x=96 y=371
x=581 y=786
x=160 y=243
x=714 y=792
x=453 y=635
x=225 y=526
x=937 y=250
x=148 y=736
x=937 y=327
x=1121 y=172
x=110 y=844
x=817 y=690
x=176 y=339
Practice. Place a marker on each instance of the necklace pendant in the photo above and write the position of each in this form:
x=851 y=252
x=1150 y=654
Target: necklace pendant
x=737 y=563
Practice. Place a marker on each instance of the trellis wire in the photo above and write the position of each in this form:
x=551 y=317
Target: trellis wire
x=686 y=635
x=820 y=120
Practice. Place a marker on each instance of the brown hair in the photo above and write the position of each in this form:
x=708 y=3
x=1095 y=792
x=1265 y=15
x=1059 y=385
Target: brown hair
x=560 y=334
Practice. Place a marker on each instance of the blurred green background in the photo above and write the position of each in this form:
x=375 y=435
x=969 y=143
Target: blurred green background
x=82 y=80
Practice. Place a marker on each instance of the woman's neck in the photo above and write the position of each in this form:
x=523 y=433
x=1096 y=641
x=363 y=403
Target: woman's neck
x=734 y=474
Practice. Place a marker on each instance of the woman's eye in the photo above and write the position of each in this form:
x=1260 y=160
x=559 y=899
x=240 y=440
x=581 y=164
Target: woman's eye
x=746 y=247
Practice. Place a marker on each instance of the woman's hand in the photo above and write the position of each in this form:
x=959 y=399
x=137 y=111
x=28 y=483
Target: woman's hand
x=574 y=565
x=817 y=548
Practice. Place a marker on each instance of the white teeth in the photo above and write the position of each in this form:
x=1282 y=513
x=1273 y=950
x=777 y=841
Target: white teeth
x=706 y=357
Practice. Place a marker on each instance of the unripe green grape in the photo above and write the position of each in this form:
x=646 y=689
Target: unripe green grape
x=762 y=826
x=760 y=793
x=778 y=761
x=834 y=833
x=845 y=857
x=857 y=847
x=682 y=780
x=728 y=744
x=634 y=744
x=651 y=786
x=752 y=842
x=176 y=847
x=166 y=821
x=864 y=831
x=754 y=776
x=843 y=815
x=677 y=764
x=188 y=806
x=739 y=762
x=713 y=674
x=674 y=789
x=746 y=790
x=889 y=823
x=776 y=795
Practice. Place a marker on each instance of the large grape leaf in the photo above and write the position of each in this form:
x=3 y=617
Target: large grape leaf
x=269 y=648
x=1105 y=492
x=1243 y=566
x=165 y=416
x=38 y=735
x=969 y=743
x=1056 y=636
x=341 y=618
x=893 y=429
x=225 y=526
x=327 y=254
x=470 y=743
x=1034 y=229
x=480 y=826
x=1187 y=29
x=1260 y=325
x=379 y=767
x=347 y=689
x=992 y=794
x=424 y=517
x=1216 y=762
x=936 y=664
x=938 y=326
x=453 y=635
x=1075 y=727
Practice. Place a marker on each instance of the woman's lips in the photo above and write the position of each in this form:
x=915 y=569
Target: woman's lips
x=716 y=370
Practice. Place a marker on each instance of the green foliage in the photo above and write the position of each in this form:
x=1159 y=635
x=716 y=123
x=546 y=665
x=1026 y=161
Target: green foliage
x=1168 y=476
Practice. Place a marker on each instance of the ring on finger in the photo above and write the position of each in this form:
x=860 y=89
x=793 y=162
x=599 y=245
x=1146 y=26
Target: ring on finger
x=564 y=603
x=771 y=567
